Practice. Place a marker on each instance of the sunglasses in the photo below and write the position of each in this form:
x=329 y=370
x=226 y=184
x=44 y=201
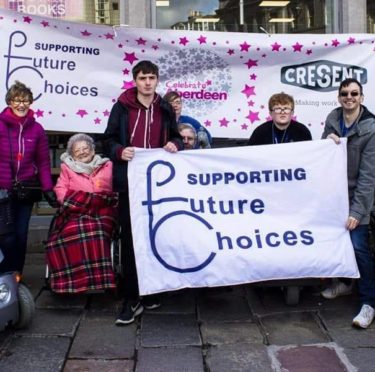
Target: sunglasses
x=346 y=94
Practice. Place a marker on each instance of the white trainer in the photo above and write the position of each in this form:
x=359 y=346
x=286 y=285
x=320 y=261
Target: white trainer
x=337 y=289
x=365 y=317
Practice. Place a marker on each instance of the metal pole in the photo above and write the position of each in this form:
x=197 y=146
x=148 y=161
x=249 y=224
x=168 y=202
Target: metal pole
x=153 y=13
x=241 y=13
x=122 y=12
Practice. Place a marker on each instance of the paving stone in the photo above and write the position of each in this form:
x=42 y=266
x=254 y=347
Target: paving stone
x=177 y=302
x=35 y=354
x=161 y=359
x=362 y=358
x=223 y=306
x=105 y=302
x=94 y=365
x=99 y=337
x=50 y=300
x=33 y=277
x=311 y=358
x=238 y=357
x=53 y=322
x=293 y=328
x=231 y=333
x=169 y=330
x=354 y=337
x=332 y=319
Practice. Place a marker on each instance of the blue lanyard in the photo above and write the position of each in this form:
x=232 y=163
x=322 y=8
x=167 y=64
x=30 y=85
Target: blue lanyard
x=276 y=135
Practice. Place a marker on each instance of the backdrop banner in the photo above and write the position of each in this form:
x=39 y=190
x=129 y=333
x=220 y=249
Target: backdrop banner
x=199 y=221
x=77 y=71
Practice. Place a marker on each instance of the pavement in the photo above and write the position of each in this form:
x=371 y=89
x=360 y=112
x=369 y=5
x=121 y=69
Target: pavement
x=243 y=328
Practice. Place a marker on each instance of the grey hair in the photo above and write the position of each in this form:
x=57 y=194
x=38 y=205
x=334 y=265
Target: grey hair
x=78 y=138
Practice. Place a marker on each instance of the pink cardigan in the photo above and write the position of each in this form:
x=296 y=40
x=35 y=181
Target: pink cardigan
x=98 y=181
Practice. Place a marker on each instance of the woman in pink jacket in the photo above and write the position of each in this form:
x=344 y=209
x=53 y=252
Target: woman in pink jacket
x=82 y=169
x=79 y=241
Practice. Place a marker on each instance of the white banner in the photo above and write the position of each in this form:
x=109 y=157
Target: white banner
x=77 y=71
x=240 y=215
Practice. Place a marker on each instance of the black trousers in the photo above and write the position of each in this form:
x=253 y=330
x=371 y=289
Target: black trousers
x=130 y=278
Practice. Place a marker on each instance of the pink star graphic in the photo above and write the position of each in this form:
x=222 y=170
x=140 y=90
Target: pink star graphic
x=351 y=40
x=309 y=51
x=125 y=71
x=141 y=41
x=248 y=91
x=97 y=121
x=183 y=41
x=39 y=113
x=268 y=118
x=207 y=123
x=244 y=126
x=85 y=33
x=81 y=113
x=45 y=23
x=297 y=47
x=128 y=84
x=130 y=57
x=244 y=47
x=202 y=39
x=251 y=63
x=253 y=116
x=106 y=113
x=109 y=36
x=276 y=47
x=155 y=47
x=208 y=82
x=335 y=43
x=251 y=103
x=253 y=77
x=230 y=51
x=27 y=19
x=224 y=122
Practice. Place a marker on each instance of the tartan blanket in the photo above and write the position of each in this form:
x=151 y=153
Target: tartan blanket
x=78 y=249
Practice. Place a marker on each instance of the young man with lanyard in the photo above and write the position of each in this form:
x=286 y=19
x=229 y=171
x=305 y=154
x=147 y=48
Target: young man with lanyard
x=139 y=118
x=353 y=121
x=282 y=128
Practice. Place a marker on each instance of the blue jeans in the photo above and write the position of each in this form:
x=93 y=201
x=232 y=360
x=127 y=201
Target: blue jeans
x=365 y=262
x=13 y=245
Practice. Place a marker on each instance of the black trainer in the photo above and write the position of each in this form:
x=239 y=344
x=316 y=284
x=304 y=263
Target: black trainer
x=151 y=302
x=128 y=313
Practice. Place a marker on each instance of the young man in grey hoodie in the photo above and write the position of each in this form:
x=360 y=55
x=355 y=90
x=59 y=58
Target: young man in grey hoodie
x=140 y=118
x=353 y=121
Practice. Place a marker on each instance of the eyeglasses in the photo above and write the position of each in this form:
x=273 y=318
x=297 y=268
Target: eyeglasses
x=352 y=94
x=17 y=102
x=279 y=110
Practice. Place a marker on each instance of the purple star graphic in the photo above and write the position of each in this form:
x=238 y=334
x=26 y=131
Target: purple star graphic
x=269 y=118
x=81 y=113
x=27 y=19
x=85 y=33
x=183 y=41
x=224 y=122
x=207 y=123
x=202 y=39
x=251 y=62
x=208 y=82
x=141 y=41
x=97 y=121
x=253 y=77
x=264 y=55
x=155 y=47
x=125 y=71
x=309 y=51
x=244 y=126
x=109 y=36
x=251 y=103
x=120 y=45
x=276 y=47
x=335 y=43
x=230 y=51
x=253 y=116
x=128 y=84
x=351 y=40
x=106 y=113
x=297 y=47
x=45 y=23
x=130 y=57
x=249 y=91
x=244 y=47
x=39 y=113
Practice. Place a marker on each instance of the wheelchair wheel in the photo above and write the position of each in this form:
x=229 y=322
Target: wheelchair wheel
x=26 y=306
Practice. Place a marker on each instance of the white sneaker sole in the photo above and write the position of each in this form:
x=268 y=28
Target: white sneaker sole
x=139 y=311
